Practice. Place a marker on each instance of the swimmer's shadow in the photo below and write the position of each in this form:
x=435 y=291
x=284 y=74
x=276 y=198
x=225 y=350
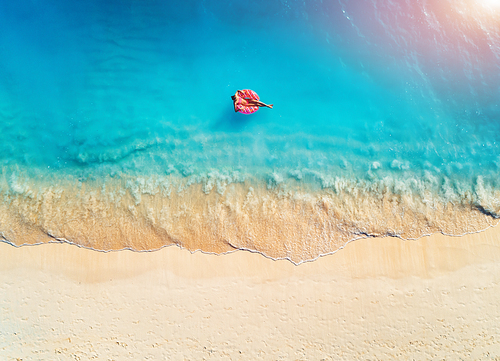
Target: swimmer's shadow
x=230 y=121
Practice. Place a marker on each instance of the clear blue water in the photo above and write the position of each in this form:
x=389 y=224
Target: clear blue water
x=364 y=90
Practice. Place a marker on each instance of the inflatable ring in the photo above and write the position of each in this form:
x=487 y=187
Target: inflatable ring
x=242 y=106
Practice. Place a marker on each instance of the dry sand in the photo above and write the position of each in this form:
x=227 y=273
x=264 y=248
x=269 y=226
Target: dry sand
x=431 y=299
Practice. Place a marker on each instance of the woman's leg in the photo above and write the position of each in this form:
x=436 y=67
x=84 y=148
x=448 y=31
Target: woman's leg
x=258 y=103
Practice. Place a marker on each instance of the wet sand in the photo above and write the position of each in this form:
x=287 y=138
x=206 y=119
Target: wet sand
x=291 y=220
x=378 y=298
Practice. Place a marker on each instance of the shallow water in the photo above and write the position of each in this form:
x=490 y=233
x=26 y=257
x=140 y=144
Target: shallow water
x=117 y=128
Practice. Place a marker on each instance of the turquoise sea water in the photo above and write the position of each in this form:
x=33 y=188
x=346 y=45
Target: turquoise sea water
x=399 y=96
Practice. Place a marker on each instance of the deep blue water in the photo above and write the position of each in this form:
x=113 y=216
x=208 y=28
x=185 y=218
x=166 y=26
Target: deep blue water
x=362 y=89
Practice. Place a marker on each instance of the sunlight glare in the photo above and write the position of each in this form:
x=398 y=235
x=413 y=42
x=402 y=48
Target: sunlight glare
x=491 y=3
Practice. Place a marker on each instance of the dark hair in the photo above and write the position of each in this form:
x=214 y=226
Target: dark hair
x=232 y=97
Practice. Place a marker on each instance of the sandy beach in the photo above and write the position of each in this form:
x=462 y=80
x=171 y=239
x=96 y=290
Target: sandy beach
x=379 y=298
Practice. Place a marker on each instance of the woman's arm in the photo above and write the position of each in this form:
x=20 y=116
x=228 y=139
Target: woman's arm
x=236 y=101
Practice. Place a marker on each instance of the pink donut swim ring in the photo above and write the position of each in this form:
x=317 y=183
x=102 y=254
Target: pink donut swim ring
x=241 y=105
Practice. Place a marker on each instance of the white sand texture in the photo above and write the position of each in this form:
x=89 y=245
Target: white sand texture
x=437 y=298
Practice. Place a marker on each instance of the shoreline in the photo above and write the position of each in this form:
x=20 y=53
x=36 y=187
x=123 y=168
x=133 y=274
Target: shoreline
x=281 y=221
x=432 y=244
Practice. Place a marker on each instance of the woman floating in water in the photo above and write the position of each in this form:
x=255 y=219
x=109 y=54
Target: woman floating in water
x=246 y=101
